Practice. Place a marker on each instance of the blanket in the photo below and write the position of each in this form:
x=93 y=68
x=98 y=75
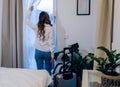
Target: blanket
x=16 y=77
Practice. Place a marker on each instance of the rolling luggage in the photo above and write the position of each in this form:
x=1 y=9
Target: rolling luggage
x=65 y=77
x=59 y=81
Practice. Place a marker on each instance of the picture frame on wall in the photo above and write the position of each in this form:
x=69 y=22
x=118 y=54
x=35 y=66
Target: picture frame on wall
x=83 y=7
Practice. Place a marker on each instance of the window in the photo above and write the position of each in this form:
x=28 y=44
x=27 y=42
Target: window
x=44 y=5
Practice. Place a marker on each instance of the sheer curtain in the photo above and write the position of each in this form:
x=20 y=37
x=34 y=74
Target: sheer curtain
x=12 y=52
x=28 y=35
x=39 y=5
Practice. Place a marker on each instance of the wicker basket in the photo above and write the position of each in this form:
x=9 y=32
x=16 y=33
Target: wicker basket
x=110 y=81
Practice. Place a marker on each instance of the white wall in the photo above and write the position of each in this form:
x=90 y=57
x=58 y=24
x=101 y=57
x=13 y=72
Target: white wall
x=73 y=28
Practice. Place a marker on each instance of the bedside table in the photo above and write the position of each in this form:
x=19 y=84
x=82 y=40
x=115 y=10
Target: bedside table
x=91 y=78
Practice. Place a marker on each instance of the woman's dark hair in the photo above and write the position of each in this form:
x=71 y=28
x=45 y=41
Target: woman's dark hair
x=43 y=19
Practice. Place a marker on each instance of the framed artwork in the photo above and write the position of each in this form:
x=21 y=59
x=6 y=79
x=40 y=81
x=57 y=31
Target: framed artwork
x=83 y=7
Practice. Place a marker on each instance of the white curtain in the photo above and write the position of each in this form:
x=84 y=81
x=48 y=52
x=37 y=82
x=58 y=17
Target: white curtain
x=39 y=5
x=1 y=5
x=28 y=35
x=104 y=28
x=29 y=3
x=105 y=22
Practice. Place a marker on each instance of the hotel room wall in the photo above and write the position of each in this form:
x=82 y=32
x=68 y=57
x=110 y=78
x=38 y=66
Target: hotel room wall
x=74 y=28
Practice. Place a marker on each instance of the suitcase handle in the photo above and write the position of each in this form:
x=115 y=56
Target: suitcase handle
x=64 y=58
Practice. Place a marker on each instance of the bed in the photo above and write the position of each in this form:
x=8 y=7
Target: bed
x=16 y=77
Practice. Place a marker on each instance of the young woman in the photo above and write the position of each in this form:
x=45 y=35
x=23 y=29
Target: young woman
x=44 y=41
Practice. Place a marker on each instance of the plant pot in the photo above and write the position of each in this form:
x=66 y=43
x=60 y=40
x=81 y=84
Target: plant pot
x=110 y=81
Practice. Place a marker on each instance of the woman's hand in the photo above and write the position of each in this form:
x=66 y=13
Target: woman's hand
x=52 y=60
x=31 y=8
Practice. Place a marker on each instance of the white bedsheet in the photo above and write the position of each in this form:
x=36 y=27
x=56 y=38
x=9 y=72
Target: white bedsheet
x=13 y=77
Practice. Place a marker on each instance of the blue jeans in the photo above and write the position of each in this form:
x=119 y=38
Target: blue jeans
x=42 y=57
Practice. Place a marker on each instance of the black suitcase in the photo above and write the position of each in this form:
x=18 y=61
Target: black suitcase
x=65 y=77
x=59 y=81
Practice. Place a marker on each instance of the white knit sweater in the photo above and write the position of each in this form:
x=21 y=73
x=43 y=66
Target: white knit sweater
x=48 y=44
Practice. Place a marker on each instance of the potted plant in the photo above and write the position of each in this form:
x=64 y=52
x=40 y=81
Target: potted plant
x=79 y=62
x=110 y=77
